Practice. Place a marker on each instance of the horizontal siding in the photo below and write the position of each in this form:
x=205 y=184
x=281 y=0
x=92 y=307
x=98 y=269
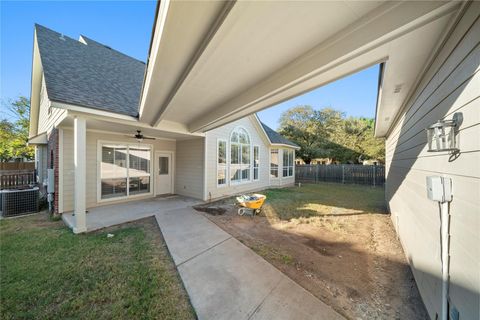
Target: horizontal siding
x=258 y=139
x=92 y=165
x=189 y=168
x=46 y=120
x=451 y=85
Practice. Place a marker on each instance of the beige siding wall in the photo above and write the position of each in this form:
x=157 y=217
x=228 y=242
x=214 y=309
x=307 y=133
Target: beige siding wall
x=47 y=116
x=258 y=139
x=452 y=84
x=189 y=168
x=92 y=165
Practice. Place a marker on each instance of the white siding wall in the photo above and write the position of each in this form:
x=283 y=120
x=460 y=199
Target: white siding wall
x=257 y=138
x=92 y=162
x=47 y=119
x=451 y=85
x=189 y=168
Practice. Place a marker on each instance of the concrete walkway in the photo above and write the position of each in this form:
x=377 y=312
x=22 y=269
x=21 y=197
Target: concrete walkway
x=227 y=280
x=113 y=214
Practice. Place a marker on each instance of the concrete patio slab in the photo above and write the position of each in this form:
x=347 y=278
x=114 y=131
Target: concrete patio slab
x=110 y=215
x=227 y=280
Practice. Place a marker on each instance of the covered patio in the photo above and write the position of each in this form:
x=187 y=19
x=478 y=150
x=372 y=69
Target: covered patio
x=114 y=214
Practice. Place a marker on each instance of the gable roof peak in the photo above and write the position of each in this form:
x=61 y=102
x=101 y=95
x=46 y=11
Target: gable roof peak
x=275 y=137
x=87 y=73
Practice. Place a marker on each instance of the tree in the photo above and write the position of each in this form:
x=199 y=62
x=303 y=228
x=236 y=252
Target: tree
x=327 y=133
x=299 y=125
x=14 y=132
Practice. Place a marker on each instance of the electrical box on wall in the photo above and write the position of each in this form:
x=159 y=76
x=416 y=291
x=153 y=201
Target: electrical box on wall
x=50 y=181
x=439 y=188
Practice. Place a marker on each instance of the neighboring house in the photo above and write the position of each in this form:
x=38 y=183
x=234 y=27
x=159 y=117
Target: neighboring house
x=300 y=161
x=84 y=103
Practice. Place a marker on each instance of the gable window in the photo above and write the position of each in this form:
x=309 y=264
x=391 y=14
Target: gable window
x=288 y=156
x=274 y=163
x=256 y=162
x=221 y=162
x=240 y=164
x=124 y=170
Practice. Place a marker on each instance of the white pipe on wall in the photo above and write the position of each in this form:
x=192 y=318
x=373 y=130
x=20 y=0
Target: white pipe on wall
x=445 y=233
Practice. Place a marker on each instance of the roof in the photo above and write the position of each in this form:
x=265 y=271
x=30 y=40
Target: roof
x=89 y=74
x=277 y=138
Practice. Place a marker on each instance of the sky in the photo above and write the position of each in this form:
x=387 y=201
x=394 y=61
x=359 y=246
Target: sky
x=126 y=26
x=356 y=95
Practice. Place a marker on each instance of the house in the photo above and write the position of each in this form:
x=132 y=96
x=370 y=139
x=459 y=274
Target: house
x=84 y=122
x=234 y=58
x=450 y=85
x=300 y=161
x=248 y=58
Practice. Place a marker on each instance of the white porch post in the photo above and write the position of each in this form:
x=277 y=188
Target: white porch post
x=80 y=137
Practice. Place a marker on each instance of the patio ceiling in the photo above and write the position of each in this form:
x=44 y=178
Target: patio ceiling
x=127 y=128
x=211 y=63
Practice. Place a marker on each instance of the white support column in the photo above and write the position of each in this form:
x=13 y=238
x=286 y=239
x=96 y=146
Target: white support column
x=80 y=140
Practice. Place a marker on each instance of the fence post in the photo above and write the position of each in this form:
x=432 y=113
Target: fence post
x=374 y=174
x=316 y=173
x=343 y=173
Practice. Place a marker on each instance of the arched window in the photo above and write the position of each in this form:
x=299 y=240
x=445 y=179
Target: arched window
x=240 y=154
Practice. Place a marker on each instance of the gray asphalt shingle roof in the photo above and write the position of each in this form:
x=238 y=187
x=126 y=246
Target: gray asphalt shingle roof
x=275 y=137
x=90 y=75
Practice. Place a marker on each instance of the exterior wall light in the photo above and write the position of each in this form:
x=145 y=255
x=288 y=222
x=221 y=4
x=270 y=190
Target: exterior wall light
x=441 y=136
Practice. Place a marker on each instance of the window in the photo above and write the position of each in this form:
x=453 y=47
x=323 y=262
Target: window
x=139 y=170
x=163 y=165
x=221 y=162
x=124 y=170
x=255 y=162
x=274 y=163
x=240 y=156
x=288 y=156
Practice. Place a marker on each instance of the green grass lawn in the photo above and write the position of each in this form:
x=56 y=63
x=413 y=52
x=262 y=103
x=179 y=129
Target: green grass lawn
x=322 y=199
x=47 y=272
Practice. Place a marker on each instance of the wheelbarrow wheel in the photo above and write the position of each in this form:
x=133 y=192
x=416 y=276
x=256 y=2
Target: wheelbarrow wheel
x=242 y=211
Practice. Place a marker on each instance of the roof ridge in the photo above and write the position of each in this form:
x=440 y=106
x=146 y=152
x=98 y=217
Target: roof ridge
x=88 y=39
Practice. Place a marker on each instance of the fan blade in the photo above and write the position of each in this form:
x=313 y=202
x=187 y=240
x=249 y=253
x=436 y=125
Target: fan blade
x=150 y=138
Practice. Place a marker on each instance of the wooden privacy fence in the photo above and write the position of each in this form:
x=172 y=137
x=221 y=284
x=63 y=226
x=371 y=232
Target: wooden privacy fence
x=11 y=179
x=17 y=166
x=342 y=173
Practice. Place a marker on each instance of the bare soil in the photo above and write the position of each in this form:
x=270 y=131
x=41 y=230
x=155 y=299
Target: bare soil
x=350 y=259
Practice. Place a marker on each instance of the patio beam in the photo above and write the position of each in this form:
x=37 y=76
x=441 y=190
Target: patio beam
x=80 y=139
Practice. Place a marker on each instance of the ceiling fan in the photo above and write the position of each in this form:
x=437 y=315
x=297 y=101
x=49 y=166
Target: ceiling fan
x=140 y=137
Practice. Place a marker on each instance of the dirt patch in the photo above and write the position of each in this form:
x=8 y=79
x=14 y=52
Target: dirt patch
x=350 y=259
x=213 y=210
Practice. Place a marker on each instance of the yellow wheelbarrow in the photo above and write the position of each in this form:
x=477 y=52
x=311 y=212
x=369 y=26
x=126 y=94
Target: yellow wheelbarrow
x=250 y=204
